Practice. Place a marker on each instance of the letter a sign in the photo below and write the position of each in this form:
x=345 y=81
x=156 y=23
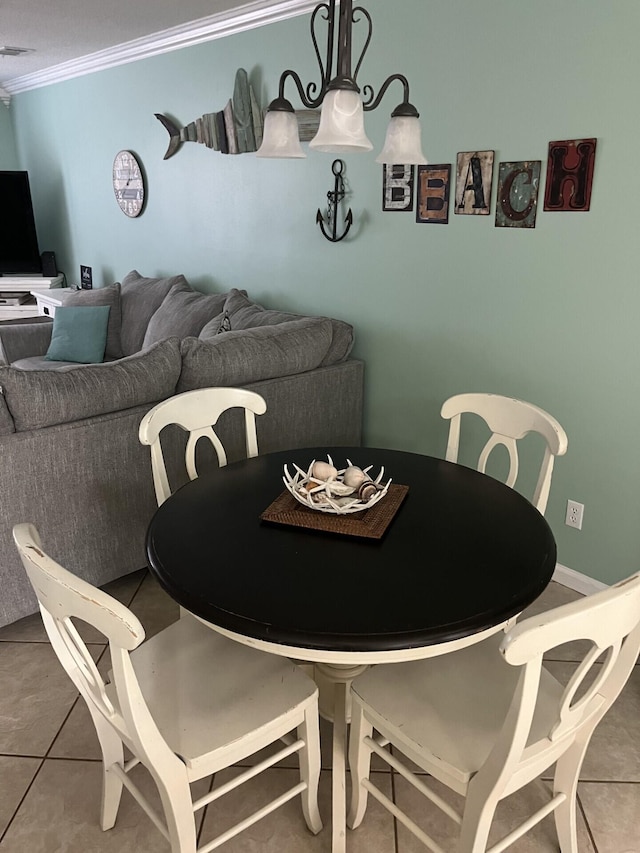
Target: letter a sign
x=474 y=176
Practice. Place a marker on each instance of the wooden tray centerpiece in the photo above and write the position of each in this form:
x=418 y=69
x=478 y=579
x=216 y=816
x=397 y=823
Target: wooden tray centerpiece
x=346 y=501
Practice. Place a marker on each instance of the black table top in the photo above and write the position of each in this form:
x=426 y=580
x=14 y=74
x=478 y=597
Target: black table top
x=463 y=554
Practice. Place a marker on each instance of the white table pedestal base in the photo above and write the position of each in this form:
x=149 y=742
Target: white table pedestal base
x=334 y=681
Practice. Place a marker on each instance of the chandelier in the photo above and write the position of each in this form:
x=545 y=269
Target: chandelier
x=341 y=129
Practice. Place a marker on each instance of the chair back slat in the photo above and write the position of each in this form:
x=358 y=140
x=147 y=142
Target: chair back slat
x=192 y=442
x=68 y=644
x=512 y=449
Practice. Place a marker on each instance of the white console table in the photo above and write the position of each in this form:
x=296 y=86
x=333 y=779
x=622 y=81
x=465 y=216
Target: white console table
x=48 y=300
x=25 y=285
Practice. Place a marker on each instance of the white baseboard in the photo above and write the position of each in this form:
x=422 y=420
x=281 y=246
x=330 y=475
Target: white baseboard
x=577 y=581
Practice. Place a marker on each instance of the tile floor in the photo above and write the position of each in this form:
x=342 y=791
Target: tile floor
x=50 y=770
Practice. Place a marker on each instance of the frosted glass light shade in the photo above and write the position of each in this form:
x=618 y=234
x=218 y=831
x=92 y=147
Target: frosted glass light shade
x=403 y=143
x=280 y=136
x=341 y=129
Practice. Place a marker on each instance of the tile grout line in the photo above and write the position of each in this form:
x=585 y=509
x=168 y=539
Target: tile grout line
x=53 y=740
x=22 y=799
x=137 y=589
x=586 y=823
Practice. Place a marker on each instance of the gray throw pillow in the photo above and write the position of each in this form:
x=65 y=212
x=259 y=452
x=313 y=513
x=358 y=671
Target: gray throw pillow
x=183 y=313
x=140 y=298
x=41 y=398
x=249 y=355
x=245 y=314
x=214 y=327
x=110 y=296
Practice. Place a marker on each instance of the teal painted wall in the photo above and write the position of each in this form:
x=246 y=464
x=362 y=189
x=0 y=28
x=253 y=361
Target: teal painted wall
x=8 y=152
x=548 y=315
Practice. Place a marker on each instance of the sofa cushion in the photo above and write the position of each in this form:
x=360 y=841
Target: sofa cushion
x=183 y=313
x=110 y=296
x=79 y=334
x=41 y=362
x=40 y=398
x=6 y=421
x=140 y=298
x=250 y=355
x=24 y=339
x=245 y=314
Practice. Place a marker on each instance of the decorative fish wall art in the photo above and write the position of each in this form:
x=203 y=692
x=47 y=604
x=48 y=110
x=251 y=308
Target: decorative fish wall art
x=236 y=129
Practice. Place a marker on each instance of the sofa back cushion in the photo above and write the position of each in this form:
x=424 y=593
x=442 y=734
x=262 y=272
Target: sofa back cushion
x=183 y=313
x=110 y=296
x=41 y=398
x=245 y=314
x=250 y=355
x=140 y=298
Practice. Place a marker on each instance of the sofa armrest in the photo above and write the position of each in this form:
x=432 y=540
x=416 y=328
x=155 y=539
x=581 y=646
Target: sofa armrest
x=23 y=340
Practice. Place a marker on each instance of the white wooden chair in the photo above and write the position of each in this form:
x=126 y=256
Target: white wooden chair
x=187 y=703
x=197 y=412
x=509 y=420
x=489 y=719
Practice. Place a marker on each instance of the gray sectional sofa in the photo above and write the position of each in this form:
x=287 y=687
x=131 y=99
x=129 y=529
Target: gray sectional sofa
x=70 y=458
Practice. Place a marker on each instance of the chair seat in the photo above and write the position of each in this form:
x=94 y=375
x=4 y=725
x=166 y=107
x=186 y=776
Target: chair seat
x=432 y=697
x=199 y=717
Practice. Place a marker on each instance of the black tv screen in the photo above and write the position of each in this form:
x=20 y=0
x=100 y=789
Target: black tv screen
x=19 y=253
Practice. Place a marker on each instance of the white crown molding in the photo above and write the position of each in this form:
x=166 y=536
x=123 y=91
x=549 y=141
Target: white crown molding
x=256 y=14
x=576 y=580
x=5 y=97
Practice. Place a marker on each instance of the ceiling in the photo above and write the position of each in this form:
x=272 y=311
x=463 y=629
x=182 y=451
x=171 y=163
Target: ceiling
x=66 y=30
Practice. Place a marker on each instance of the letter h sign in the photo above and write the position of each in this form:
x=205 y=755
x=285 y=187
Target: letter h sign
x=570 y=174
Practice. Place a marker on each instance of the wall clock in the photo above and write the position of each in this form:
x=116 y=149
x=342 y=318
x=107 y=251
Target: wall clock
x=128 y=183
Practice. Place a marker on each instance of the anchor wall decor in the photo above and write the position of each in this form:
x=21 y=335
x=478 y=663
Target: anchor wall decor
x=334 y=197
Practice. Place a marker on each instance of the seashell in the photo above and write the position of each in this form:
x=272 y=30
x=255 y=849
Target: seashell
x=354 y=476
x=324 y=471
x=368 y=489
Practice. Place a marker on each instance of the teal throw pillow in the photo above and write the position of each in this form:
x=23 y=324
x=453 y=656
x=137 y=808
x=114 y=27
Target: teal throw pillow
x=79 y=334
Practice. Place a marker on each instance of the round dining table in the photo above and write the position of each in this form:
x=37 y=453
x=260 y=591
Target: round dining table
x=446 y=558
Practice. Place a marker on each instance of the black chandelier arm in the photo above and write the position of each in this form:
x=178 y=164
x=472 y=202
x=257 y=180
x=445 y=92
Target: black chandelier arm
x=330 y=17
x=307 y=97
x=362 y=11
x=370 y=103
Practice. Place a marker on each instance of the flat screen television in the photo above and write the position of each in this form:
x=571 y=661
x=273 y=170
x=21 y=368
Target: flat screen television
x=19 y=253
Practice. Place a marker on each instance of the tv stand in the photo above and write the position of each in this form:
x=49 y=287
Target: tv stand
x=23 y=284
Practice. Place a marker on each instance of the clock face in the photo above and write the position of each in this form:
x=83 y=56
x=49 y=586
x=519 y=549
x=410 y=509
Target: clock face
x=128 y=183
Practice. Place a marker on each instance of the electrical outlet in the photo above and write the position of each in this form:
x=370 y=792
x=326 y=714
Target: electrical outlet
x=574 y=515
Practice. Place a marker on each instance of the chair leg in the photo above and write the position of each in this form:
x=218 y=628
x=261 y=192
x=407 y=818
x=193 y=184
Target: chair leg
x=178 y=811
x=479 y=810
x=112 y=753
x=310 y=764
x=359 y=764
x=566 y=781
